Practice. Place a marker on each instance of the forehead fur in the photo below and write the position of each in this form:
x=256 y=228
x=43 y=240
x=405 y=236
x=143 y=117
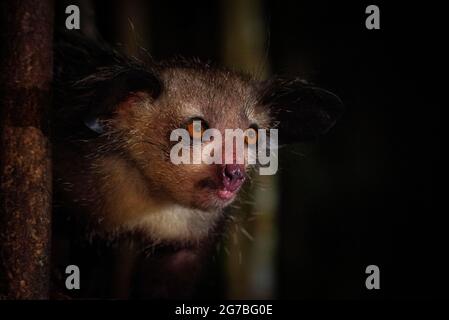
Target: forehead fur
x=223 y=98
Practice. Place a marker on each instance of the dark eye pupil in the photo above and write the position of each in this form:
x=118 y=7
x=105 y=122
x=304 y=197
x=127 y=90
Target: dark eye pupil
x=255 y=127
x=199 y=124
x=197 y=127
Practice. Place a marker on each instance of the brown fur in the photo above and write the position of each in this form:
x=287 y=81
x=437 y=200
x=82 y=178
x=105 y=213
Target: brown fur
x=126 y=180
x=112 y=119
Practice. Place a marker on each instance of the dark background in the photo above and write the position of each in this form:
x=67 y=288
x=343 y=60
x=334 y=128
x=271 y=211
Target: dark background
x=368 y=192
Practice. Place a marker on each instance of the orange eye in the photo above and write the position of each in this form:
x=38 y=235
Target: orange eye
x=196 y=128
x=251 y=136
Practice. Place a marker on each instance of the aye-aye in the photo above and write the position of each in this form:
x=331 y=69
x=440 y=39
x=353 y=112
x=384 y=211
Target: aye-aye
x=113 y=175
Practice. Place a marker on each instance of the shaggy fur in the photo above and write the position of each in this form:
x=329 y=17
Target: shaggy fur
x=113 y=118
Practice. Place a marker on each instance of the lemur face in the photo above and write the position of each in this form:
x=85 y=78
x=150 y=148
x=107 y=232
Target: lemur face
x=117 y=117
x=212 y=100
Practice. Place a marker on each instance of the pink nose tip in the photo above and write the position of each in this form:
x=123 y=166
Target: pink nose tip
x=233 y=176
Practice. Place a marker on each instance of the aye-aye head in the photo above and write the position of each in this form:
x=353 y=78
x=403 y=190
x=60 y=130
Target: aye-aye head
x=132 y=113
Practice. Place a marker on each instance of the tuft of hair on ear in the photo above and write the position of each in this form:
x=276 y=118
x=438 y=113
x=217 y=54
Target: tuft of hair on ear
x=92 y=79
x=112 y=86
x=303 y=111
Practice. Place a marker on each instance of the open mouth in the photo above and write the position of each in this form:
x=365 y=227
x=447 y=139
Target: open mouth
x=226 y=194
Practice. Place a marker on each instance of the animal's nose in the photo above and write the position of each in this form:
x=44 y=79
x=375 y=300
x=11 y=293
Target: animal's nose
x=233 y=176
x=234 y=171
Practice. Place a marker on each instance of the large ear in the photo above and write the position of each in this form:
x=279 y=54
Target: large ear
x=303 y=112
x=112 y=87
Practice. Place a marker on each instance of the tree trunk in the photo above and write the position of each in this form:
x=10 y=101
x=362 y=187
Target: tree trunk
x=25 y=165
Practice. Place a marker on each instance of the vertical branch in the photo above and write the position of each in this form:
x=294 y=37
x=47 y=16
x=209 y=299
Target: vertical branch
x=244 y=48
x=244 y=37
x=25 y=165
